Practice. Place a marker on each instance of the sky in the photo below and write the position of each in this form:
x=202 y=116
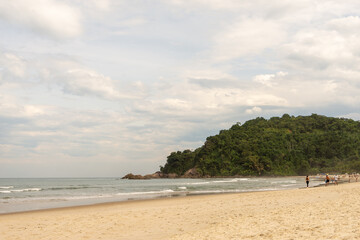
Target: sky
x=102 y=88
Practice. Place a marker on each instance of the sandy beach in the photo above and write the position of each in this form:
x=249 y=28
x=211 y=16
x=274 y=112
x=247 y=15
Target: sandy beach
x=331 y=212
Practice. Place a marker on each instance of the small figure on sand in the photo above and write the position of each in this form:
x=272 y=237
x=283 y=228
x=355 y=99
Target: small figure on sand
x=356 y=176
x=349 y=177
x=336 y=179
x=307 y=181
x=327 y=180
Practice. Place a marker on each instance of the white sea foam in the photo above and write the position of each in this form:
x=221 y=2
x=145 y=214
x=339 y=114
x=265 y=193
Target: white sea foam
x=6 y=187
x=287 y=181
x=146 y=193
x=208 y=191
x=5 y=191
x=27 y=190
x=85 y=197
x=231 y=180
x=197 y=183
x=265 y=189
x=182 y=188
x=21 y=190
x=226 y=181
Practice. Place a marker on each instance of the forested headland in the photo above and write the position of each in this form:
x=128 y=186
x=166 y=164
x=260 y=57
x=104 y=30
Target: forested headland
x=278 y=146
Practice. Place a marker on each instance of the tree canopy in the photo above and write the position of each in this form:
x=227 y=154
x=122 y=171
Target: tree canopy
x=284 y=145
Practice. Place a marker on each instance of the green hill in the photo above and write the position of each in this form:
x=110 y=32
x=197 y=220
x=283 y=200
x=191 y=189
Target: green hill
x=279 y=146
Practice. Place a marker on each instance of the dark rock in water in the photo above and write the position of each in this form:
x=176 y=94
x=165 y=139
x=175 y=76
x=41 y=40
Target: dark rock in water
x=150 y=176
x=132 y=176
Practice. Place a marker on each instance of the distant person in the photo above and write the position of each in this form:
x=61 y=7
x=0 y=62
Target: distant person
x=356 y=176
x=327 y=180
x=307 y=179
x=349 y=177
x=336 y=179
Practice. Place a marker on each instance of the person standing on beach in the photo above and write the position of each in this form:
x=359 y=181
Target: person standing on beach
x=327 y=180
x=307 y=181
x=336 y=179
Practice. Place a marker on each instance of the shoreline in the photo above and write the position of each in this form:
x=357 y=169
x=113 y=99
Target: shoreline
x=106 y=201
x=144 y=200
x=59 y=193
x=312 y=213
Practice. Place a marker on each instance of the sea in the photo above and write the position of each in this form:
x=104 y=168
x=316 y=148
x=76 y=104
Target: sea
x=27 y=194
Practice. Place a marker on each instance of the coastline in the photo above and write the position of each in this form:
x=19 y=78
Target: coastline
x=59 y=193
x=313 y=213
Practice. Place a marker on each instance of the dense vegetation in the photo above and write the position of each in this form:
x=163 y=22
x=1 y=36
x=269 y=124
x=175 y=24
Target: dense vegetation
x=279 y=146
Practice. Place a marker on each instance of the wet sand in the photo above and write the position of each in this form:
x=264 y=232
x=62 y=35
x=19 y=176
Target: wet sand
x=331 y=212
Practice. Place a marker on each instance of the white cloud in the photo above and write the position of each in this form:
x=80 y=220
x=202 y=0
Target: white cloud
x=12 y=66
x=330 y=86
x=49 y=17
x=259 y=98
x=332 y=46
x=132 y=22
x=76 y=79
x=73 y=77
x=10 y=107
x=346 y=25
x=100 y=4
x=84 y=82
x=269 y=80
x=209 y=74
x=354 y=116
x=248 y=37
x=253 y=110
x=213 y=4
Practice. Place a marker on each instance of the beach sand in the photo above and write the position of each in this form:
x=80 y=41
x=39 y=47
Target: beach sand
x=331 y=212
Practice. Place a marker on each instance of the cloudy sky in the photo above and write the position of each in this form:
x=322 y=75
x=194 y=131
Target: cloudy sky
x=108 y=87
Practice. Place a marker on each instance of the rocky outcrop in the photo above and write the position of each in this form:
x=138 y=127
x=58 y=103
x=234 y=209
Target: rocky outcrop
x=172 y=175
x=132 y=176
x=150 y=176
x=155 y=175
x=191 y=173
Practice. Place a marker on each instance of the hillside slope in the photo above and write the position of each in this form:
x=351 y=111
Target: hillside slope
x=279 y=146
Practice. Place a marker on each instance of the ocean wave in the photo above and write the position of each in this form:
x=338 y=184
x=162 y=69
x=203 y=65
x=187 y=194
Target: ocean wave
x=182 y=188
x=197 y=183
x=5 y=191
x=286 y=181
x=211 y=191
x=22 y=190
x=225 y=181
x=231 y=180
x=69 y=188
x=167 y=191
x=232 y=191
x=286 y=185
x=243 y=179
x=45 y=199
x=6 y=187
x=265 y=189
x=84 y=197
